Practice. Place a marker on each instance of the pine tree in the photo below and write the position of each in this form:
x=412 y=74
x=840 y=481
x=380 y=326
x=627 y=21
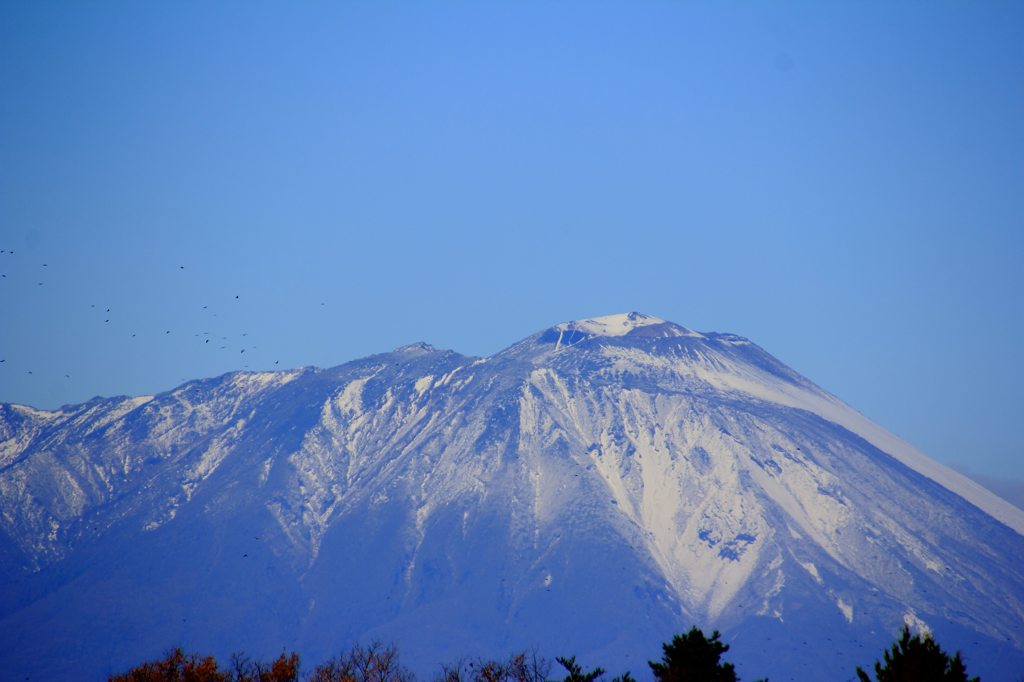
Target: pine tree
x=576 y=673
x=693 y=657
x=918 y=659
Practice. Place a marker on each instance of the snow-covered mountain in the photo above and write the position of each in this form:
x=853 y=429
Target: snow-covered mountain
x=588 y=491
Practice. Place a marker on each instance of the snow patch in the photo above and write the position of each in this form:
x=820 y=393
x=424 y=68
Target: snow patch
x=423 y=383
x=36 y=413
x=265 y=472
x=847 y=609
x=915 y=623
x=257 y=381
x=168 y=515
x=813 y=570
x=212 y=458
x=351 y=399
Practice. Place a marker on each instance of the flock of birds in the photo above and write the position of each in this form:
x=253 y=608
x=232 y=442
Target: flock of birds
x=120 y=325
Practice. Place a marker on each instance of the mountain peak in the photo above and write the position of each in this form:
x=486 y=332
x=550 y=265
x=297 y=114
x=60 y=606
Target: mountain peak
x=619 y=324
x=417 y=347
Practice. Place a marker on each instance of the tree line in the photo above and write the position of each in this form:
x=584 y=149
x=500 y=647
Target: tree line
x=689 y=657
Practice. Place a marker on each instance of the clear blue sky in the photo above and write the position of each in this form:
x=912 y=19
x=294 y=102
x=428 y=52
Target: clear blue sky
x=843 y=183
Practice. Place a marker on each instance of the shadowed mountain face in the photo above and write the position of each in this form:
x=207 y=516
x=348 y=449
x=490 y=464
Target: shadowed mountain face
x=591 y=490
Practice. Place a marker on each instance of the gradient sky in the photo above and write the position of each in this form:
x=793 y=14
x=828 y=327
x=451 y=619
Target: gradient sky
x=843 y=183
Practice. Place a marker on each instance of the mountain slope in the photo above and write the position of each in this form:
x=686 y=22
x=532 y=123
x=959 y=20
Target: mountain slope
x=591 y=489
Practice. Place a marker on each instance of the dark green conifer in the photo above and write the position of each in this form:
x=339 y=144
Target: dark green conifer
x=917 y=659
x=576 y=673
x=693 y=657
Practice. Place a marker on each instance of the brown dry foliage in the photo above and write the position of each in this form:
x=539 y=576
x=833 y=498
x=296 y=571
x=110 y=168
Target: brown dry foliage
x=176 y=667
x=181 y=667
x=372 y=663
x=520 y=667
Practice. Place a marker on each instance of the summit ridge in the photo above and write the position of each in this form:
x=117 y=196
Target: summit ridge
x=612 y=325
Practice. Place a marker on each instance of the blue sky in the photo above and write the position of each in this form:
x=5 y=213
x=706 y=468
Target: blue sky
x=840 y=182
